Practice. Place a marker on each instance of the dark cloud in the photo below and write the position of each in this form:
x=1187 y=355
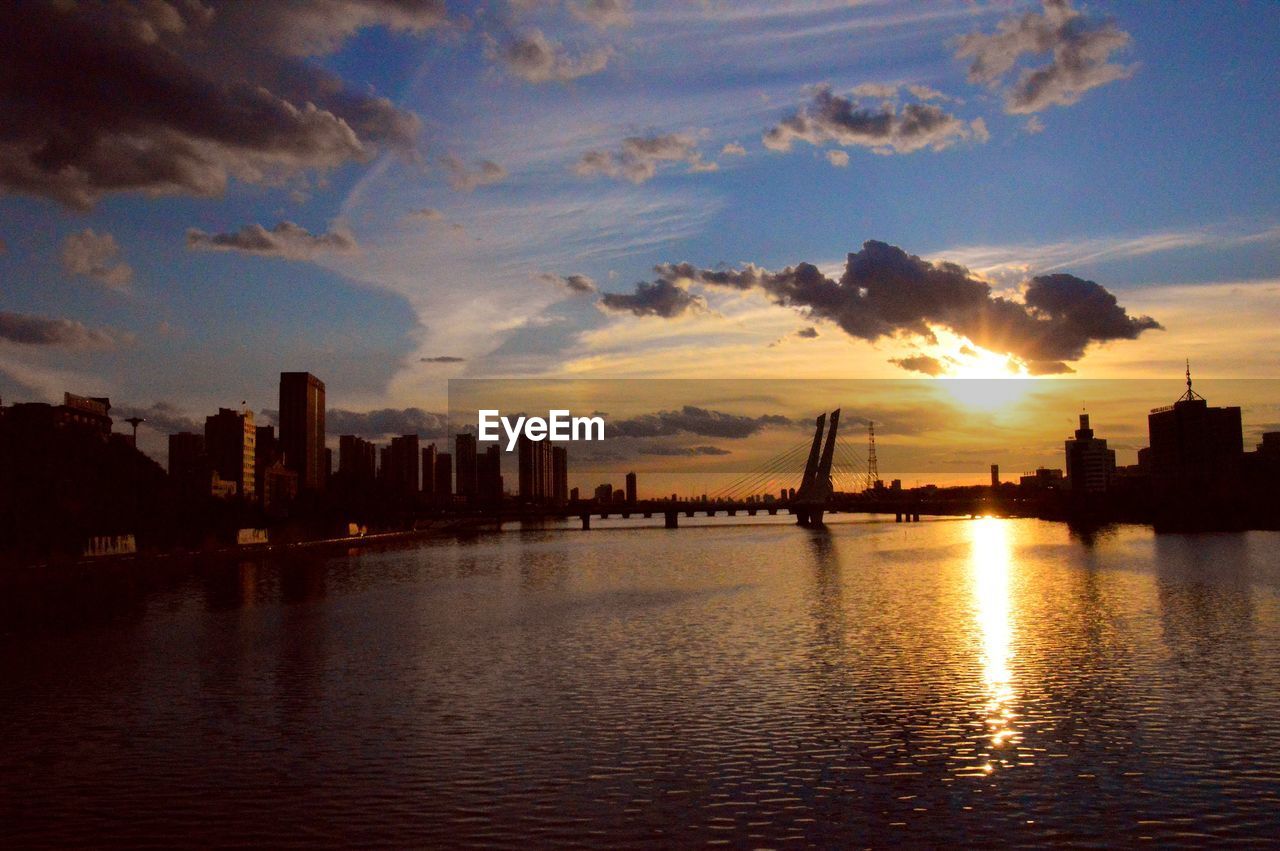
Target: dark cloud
x=284 y=240
x=694 y=420
x=682 y=451
x=639 y=157
x=161 y=416
x=535 y=58
x=920 y=363
x=443 y=359
x=181 y=97
x=885 y=292
x=887 y=127
x=464 y=179
x=387 y=421
x=1080 y=52
x=31 y=330
x=96 y=256
x=807 y=333
x=656 y=298
x=577 y=284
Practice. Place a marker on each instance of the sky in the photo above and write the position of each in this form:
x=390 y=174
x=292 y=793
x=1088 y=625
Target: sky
x=195 y=196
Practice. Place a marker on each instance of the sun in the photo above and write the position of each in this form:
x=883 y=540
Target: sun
x=983 y=380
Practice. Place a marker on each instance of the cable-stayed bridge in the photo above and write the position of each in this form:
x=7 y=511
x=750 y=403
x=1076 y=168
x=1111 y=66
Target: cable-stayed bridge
x=822 y=475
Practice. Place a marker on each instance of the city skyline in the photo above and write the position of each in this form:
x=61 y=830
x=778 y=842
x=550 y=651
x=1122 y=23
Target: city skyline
x=637 y=197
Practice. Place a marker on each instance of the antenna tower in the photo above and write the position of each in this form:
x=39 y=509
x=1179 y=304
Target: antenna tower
x=1190 y=394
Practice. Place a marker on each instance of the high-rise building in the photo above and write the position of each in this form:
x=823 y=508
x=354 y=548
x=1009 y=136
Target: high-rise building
x=429 y=472
x=995 y=475
x=401 y=476
x=604 y=493
x=1195 y=448
x=1090 y=464
x=188 y=465
x=465 y=447
x=230 y=441
x=536 y=460
x=302 y=431
x=444 y=478
x=631 y=487
x=489 y=476
x=559 y=475
x=357 y=461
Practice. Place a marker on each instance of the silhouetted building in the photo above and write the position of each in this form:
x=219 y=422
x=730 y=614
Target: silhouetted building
x=266 y=453
x=1195 y=449
x=573 y=494
x=631 y=487
x=277 y=487
x=995 y=475
x=604 y=493
x=1270 y=445
x=357 y=461
x=536 y=470
x=1043 y=478
x=429 y=472
x=81 y=414
x=465 y=448
x=1090 y=464
x=302 y=427
x=188 y=465
x=401 y=475
x=230 y=441
x=619 y=496
x=444 y=478
x=559 y=475
x=489 y=476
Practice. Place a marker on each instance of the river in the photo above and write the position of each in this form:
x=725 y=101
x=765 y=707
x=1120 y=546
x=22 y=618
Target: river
x=738 y=681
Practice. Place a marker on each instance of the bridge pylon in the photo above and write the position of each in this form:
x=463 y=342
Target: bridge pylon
x=815 y=488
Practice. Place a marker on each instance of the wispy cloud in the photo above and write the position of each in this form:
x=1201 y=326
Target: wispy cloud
x=96 y=256
x=286 y=240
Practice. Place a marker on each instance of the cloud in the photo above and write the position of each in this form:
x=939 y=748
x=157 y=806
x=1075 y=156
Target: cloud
x=694 y=420
x=536 y=59
x=1034 y=125
x=807 y=333
x=839 y=159
x=602 y=13
x=463 y=179
x=639 y=157
x=920 y=363
x=443 y=359
x=577 y=284
x=682 y=451
x=1080 y=52
x=885 y=292
x=29 y=330
x=387 y=421
x=657 y=298
x=161 y=416
x=733 y=149
x=427 y=214
x=180 y=98
x=286 y=240
x=886 y=128
x=97 y=257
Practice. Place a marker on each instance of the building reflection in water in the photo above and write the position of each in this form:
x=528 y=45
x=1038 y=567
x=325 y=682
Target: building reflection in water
x=991 y=566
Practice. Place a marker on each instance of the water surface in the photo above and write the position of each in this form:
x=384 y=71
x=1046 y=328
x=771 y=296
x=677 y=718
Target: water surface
x=737 y=681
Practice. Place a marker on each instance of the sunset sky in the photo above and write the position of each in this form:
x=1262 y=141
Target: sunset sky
x=198 y=195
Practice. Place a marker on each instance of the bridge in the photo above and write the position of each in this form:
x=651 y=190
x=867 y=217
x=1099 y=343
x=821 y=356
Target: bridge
x=835 y=479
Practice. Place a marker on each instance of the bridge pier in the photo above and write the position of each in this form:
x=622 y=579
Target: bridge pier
x=773 y=512
x=672 y=519
x=688 y=514
x=732 y=512
x=626 y=515
x=586 y=522
x=648 y=514
x=897 y=518
x=751 y=512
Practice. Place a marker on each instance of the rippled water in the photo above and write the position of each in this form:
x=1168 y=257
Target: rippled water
x=756 y=685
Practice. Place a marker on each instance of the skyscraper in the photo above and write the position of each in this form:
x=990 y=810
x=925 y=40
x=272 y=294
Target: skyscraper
x=631 y=487
x=229 y=441
x=537 y=470
x=1090 y=464
x=429 y=472
x=357 y=461
x=489 y=476
x=559 y=474
x=444 y=478
x=302 y=427
x=1195 y=449
x=402 y=471
x=465 y=447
